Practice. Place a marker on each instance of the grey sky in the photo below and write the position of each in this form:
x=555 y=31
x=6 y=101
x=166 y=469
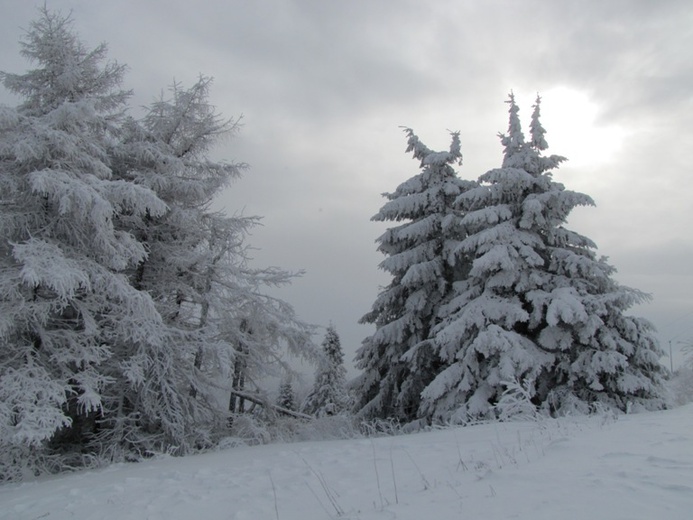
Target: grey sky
x=324 y=85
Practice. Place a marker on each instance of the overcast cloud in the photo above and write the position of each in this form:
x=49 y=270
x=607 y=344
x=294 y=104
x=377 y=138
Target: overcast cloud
x=323 y=87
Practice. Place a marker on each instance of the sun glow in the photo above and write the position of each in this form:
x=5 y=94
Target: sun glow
x=573 y=129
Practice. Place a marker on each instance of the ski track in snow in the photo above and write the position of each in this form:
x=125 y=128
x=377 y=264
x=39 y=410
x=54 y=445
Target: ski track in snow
x=631 y=467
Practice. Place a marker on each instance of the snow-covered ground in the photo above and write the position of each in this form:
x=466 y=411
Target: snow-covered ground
x=629 y=467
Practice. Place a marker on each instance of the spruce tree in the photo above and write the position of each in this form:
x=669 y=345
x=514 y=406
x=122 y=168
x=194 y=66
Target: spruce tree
x=329 y=394
x=538 y=309
x=286 y=398
x=398 y=360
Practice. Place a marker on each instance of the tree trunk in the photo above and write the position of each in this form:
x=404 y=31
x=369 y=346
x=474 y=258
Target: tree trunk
x=257 y=399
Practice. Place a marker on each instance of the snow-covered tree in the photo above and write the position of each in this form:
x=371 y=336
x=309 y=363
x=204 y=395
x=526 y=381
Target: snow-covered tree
x=538 y=309
x=223 y=327
x=198 y=270
x=190 y=250
x=398 y=360
x=65 y=306
x=329 y=394
x=286 y=398
x=124 y=298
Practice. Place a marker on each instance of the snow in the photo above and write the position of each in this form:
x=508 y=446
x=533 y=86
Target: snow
x=636 y=466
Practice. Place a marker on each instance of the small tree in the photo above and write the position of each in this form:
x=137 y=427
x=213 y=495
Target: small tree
x=329 y=394
x=538 y=305
x=398 y=360
x=286 y=398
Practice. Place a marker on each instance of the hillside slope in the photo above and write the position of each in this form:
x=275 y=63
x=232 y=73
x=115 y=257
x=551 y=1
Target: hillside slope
x=631 y=467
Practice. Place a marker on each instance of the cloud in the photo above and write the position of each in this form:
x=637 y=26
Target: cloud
x=323 y=87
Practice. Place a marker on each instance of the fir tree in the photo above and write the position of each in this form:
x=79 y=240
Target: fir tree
x=329 y=394
x=538 y=308
x=398 y=360
x=286 y=398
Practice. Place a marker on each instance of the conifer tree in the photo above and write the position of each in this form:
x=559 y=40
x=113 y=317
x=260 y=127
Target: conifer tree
x=329 y=394
x=398 y=360
x=286 y=398
x=123 y=297
x=191 y=249
x=221 y=323
x=66 y=307
x=538 y=309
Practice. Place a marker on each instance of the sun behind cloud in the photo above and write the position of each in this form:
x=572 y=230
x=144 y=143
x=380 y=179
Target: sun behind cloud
x=573 y=127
